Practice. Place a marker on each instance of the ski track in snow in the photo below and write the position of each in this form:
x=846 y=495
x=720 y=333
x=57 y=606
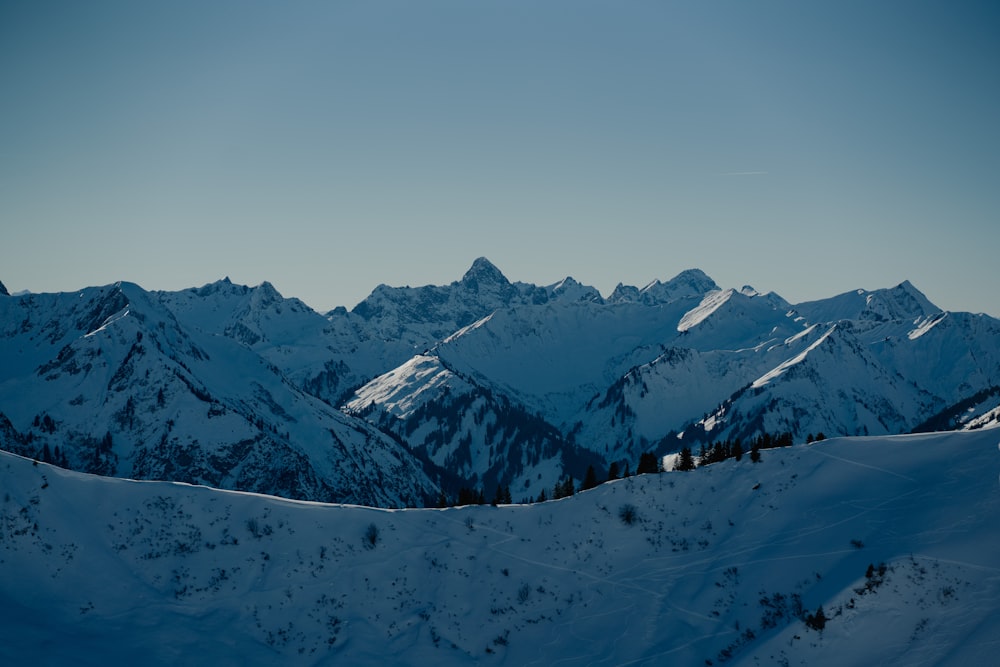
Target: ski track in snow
x=858 y=463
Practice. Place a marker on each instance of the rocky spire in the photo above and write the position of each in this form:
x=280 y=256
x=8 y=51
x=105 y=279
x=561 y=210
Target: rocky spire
x=483 y=272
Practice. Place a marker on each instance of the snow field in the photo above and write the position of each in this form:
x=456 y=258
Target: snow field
x=714 y=565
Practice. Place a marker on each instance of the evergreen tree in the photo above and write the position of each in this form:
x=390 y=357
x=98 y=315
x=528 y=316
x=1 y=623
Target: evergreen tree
x=737 y=450
x=755 y=453
x=818 y=620
x=502 y=496
x=647 y=464
x=542 y=497
x=589 y=480
x=685 y=461
x=613 y=471
x=563 y=489
x=470 y=497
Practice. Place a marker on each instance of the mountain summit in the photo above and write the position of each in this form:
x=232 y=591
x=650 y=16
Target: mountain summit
x=483 y=272
x=691 y=283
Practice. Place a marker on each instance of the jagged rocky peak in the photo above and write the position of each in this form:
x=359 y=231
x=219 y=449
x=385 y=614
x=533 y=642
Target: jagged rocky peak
x=486 y=284
x=484 y=272
x=624 y=294
x=3 y=290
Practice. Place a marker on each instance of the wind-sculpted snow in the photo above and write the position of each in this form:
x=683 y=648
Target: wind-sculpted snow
x=785 y=365
x=708 y=305
x=846 y=552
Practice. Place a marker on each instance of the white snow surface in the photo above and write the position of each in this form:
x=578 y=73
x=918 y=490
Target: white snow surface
x=924 y=325
x=403 y=389
x=797 y=359
x=711 y=303
x=895 y=537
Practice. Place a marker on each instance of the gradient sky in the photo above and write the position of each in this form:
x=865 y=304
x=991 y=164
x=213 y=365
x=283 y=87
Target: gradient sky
x=806 y=148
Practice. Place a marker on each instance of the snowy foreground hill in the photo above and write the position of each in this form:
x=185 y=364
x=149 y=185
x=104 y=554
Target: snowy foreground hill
x=895 y=538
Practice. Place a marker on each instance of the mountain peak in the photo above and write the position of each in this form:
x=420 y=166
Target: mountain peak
x=484 y=272
x=223 y=285
x=900 y=302
x=570 y=289
x=264 y=295
x=686 y=284
x=907 y=291
x=694 y=279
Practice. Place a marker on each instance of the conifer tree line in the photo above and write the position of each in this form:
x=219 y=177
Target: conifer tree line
x=649 y=463
x=723 y=450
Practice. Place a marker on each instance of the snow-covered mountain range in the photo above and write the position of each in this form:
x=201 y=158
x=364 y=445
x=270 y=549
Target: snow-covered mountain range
x=184 y=386
x=851 y=551
x=869 y=548
x=479 y=383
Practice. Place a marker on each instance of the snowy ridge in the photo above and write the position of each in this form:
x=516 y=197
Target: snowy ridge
x=894 y=539
x=399 y=392
x=711 y=303
x=785 y=365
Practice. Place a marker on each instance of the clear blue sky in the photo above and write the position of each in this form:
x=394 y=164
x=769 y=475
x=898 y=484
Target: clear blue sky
x=808 y=148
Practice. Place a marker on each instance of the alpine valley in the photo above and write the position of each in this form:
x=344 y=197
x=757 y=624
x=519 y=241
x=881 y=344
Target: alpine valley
x=224 y=476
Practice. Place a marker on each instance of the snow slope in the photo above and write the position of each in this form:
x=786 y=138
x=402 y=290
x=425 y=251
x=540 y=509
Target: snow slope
x=894 y=537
